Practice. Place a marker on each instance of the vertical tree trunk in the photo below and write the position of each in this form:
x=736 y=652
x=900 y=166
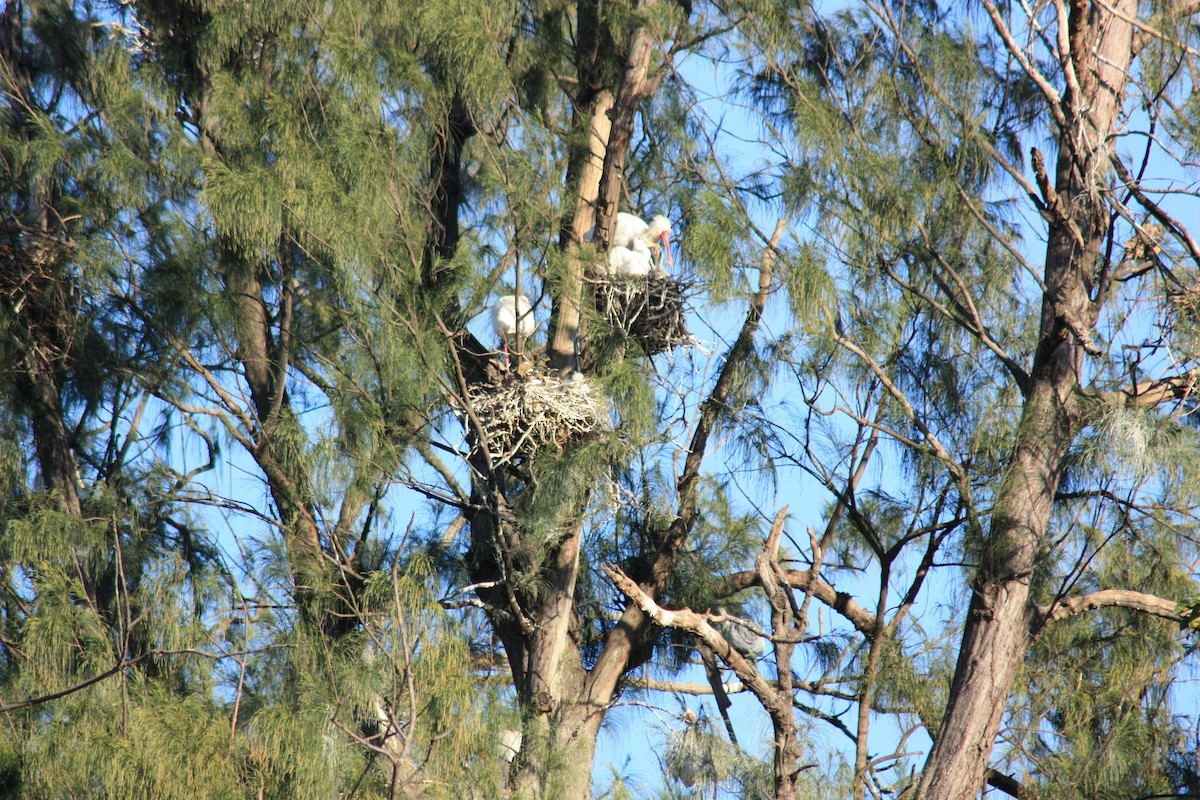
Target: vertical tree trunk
x=38 y=383
x=561 y=709
x=566 y=326
x=996 y=638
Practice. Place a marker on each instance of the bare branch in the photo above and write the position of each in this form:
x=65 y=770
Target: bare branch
x=696 y=624
x=1053 y=99
x=1106 y=598
x=652 y=685
x=807 y=581
x=1148 y=394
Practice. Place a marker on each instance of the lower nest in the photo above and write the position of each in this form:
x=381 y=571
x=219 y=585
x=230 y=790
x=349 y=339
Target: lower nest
x=521 y=417
x=648 y=309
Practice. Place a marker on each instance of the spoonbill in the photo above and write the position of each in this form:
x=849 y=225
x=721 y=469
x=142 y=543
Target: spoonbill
x=631 y=228
x=632 y=261
x=512 y=320
x=656 y=234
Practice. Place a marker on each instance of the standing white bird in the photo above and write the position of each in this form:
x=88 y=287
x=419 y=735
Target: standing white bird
x=633 y=261
x=512 y=320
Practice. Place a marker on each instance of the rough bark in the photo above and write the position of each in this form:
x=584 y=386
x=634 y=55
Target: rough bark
x=1096 y=50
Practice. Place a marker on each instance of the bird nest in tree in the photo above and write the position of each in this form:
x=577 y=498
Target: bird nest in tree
x=34 y=289
x=523 y=416
x=1183 y=320
x=1185 y=302
x=649 y=309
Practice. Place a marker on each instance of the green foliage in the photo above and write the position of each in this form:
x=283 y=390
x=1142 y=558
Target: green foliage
x=263 y=238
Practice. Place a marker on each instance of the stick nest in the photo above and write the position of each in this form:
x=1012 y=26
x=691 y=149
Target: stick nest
x=522 y=417
x=36 y=290
x=649 y=309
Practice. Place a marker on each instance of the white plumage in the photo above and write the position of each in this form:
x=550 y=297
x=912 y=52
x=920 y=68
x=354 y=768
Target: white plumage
x=512 y=320
x=629 y=227
x=509 y=745
x=655 y=234
x=632 y=229
x=633 y=261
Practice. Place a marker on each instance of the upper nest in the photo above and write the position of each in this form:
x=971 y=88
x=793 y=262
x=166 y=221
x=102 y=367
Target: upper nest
x=521 y=417
x=649 y=309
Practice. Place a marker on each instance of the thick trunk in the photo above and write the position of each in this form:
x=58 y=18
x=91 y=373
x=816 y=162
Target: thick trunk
x=584 y=173
x=563 y=704
x=637 y=84
x=996 y=637
x=38 y=384
x=556 y=755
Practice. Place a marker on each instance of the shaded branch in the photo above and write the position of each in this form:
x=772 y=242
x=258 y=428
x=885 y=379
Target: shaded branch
x=1007 y=784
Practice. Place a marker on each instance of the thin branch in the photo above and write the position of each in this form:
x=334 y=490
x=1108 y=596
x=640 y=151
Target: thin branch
x=808 y=581
x=1053 y=99
x=46 y=698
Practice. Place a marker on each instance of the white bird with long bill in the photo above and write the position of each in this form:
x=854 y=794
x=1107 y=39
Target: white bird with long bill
x=513 y=322
x=655 y=234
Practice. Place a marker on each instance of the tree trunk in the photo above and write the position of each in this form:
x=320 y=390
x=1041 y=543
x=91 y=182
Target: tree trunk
x=566 y=326
x=637 y=84
x=559 y=742
x=997 y=635
x=38 y=385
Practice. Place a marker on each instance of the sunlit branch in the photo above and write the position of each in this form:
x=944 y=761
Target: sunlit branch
x=1106 y=598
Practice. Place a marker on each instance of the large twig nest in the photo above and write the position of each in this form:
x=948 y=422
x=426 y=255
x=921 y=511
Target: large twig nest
x=34 y=290
x=647 y=308
x=522 y=416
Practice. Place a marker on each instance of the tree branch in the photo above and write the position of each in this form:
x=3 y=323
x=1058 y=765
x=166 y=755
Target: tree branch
x=1106 y=598
x=808 y=581
x=690 y=621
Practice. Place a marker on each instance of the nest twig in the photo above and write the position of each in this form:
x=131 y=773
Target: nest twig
x=648 y=309
x=522 y=417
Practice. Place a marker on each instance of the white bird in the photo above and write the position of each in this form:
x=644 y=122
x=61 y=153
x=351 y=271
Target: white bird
x=656 y=234
x=512 y=320
x=632 y=228
x=509 y=745
x=633 y=261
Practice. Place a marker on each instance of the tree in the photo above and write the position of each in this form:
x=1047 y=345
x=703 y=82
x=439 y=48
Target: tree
x=284 y=222
x=995 y=368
